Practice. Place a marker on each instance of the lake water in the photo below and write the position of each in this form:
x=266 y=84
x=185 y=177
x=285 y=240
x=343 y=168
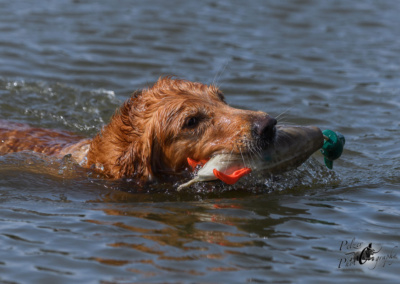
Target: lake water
x=334 y=64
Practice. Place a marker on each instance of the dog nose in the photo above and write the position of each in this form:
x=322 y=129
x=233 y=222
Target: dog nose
x=264 y=127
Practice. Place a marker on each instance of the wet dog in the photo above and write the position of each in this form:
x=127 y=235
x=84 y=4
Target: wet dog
x=154 y=132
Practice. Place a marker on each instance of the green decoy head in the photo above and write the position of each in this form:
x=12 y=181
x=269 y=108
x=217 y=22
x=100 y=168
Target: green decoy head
x=333 y=146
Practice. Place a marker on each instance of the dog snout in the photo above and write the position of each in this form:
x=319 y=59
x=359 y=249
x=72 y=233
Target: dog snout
x=264 y=128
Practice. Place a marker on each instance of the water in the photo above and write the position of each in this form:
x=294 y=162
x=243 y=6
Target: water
x=335 y=64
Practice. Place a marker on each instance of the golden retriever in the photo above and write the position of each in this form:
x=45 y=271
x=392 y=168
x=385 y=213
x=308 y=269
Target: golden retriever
x=154 y=132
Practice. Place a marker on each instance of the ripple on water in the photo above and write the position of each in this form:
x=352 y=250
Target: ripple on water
x=52 y=105
x=69 y=64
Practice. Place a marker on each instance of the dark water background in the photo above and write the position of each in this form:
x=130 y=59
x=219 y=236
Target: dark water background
x=68 y=64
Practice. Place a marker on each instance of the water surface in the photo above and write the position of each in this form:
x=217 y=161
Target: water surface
x=69 y=64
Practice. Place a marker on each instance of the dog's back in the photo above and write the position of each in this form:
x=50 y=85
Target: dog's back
x=17 y=137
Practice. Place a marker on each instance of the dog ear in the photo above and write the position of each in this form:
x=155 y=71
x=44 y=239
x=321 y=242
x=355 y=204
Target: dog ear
x=134 y=160
x=136 y=139
x=137 y=159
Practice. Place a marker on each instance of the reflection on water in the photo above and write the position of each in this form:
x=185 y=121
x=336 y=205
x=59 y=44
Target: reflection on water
x=120 y=233
x=69 y=64
x=312 y=174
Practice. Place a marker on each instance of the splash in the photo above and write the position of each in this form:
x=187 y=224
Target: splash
x=311 y=174
x=52 y=105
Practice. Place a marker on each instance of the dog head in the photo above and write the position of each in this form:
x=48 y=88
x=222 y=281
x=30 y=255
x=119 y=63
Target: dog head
x=158 y=128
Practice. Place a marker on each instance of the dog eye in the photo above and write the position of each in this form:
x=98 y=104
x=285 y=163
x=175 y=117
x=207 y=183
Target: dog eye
x=192 y=122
